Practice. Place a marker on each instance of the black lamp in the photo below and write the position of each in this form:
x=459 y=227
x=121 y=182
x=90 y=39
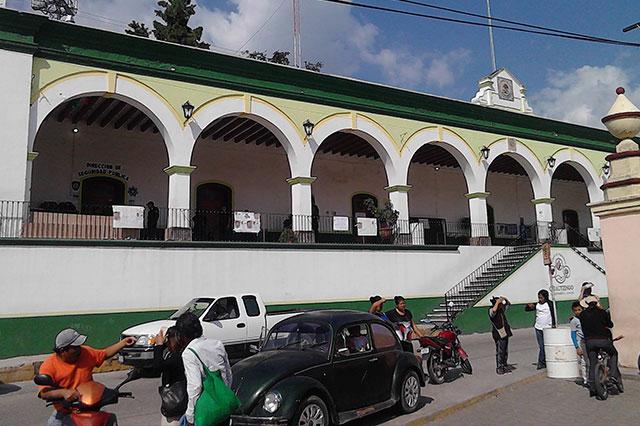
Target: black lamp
x=551 y=161
x=308 y=128
x=187 y=110
x=485 y=152
x=606 y=168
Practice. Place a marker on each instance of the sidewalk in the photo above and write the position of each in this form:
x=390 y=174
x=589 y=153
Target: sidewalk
x=23 y=368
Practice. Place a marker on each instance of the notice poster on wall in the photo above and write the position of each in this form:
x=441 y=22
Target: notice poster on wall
x=367 y=227
x=128 y=217
x=341 y=224
x=246 y=222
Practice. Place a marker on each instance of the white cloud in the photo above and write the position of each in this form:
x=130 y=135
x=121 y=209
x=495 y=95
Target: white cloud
x=584 y=95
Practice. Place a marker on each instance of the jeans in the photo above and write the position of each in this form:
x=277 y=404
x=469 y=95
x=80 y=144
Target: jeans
x=593 y=346
x=59 y=419
x=542 y=360
x=502 y=352
x=584 y=361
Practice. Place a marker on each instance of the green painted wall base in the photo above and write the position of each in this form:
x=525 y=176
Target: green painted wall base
x=476 y=320
x=35 y=335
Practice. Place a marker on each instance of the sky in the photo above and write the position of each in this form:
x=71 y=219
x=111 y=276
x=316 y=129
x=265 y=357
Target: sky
x=566 y=80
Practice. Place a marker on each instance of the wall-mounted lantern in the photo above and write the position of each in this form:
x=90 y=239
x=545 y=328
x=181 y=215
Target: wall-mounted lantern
x=485 y=151
x=187 y=110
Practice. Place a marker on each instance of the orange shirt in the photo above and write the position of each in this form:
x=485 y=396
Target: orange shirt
x=70 y=376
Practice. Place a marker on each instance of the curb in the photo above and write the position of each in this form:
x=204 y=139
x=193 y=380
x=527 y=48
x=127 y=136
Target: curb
x=475 y=400
x=26 y=371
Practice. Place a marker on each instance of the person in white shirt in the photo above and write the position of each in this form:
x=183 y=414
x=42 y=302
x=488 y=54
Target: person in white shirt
x=545 y=318
x=210 y=351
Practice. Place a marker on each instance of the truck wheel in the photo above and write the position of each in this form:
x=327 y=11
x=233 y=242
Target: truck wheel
x=312 y=412
x=409 y=392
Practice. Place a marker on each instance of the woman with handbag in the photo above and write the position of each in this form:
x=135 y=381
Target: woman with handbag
x=173 y=389
x=210 y=401
x=501 y=332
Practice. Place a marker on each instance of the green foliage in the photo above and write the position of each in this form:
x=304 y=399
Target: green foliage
x=386 y=216
x=280 y=57
x=313 y=66
x=176 y=29
x=138 y=29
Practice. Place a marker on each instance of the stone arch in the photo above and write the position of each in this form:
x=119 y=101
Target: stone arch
x=453 y=144
x=275 y=120
x=368 y=130
x=121 y=87
x=583 y=166
x=540 y=181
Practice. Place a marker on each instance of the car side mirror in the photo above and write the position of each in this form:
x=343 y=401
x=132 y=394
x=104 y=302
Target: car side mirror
x=44 y=380
x=343 y=352
x=254 y=349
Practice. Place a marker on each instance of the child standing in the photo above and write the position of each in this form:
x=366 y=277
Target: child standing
x=578 y=341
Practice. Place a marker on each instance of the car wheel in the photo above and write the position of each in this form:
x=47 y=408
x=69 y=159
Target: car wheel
x=435 y=369
x=312 y=412
x=409 y=392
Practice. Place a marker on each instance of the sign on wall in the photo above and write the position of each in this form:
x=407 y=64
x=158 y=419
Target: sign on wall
x=367 y=227
x=103 y=169
x=246 y=222
x=341 y=223
x=129 y=217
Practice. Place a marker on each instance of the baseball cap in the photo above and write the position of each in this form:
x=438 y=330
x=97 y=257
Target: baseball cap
x=69 y=337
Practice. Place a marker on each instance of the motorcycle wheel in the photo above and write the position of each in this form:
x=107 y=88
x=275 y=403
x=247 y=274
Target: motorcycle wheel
x=466 y=367
x=436 y=370
x=602 y=391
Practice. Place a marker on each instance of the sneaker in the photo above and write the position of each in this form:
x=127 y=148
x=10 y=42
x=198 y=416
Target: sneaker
x=500 y=371
x=541 y=366
x=618 y=384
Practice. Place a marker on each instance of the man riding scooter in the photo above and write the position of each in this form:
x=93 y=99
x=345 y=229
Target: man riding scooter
x=71 y=365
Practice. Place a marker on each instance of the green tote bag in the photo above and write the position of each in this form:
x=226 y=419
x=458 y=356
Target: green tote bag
x=216 y=402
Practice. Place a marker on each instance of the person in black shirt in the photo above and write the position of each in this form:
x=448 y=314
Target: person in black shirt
x=403 y=318
x=501 y=332
x=596 y=326
x=168 y=359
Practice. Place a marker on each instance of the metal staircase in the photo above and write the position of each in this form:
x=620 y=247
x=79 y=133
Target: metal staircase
x=480 y=282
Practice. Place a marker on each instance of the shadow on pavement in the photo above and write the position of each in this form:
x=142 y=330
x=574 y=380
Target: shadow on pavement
x=390 y=414
x=6 y=388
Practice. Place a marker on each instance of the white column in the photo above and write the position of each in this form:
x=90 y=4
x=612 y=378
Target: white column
x=179 y=197
x=399 y=197
x=301 y=203
x=544 y=217
x=478 y=218
x=15 y=86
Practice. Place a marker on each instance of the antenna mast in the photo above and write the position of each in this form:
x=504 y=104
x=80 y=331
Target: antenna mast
x=492 y=46
x=297 y=56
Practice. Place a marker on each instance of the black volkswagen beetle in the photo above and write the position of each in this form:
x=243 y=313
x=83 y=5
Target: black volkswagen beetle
x=326 y=367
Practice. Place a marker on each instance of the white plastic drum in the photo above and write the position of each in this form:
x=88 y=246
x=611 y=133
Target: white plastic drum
x=562 y=360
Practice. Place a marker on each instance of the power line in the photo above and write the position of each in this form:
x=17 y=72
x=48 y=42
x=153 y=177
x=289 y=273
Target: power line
x=261 y=27
x=481 y=24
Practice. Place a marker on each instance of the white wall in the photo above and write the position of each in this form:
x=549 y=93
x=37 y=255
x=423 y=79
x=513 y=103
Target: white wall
x=437 y=193
x=142 y=157
x=571 y=196
x=93 y=279
x=15 y=87
x=524 y=284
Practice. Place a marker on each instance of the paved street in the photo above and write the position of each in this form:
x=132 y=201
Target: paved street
x=18 y=405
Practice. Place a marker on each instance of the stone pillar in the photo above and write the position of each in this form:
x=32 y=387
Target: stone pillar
x=619 y=215
x=302 y=220
x=399 y=197
x=544 y=218
x=178 y=212
x=479 y=232
x=15 y=86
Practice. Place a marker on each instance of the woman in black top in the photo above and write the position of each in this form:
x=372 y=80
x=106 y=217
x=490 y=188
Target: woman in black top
x=403 y=318
x=501 y=332
x=168 y=359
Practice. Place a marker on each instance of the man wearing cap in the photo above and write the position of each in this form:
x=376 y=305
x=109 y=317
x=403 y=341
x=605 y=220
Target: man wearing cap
x=70 y=366
x=596 y=326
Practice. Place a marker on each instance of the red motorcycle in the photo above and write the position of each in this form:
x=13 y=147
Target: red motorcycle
x=442 y=351
x=93 y=396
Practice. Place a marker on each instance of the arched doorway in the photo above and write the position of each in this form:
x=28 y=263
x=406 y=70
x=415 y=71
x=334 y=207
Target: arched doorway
x=570 y=210
x=95 y=152
x=438 y=209
x=98 y=194
x=511 y=192
x=247 y=156
x=349 y=171
x=213 y=218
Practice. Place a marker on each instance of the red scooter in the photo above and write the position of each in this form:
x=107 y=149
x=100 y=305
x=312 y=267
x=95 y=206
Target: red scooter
x=442 y=351
x=93 y=396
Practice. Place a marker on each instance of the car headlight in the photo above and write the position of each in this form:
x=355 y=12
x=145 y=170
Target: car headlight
x=144 y=340
x=272 y=402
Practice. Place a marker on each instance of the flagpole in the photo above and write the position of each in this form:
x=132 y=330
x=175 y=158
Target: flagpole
x=492 y=46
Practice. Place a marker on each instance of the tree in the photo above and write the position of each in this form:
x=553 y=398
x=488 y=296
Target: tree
x=313 y=66
x=280 y=57
x=176 y=29
x=138 y=29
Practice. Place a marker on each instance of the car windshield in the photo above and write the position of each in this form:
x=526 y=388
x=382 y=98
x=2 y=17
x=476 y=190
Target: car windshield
x=197 y=306
x=299 y=336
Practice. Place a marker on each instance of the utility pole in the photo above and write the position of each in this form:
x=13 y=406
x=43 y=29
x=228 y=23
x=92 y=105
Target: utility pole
x=492 y=46
x=297 y=50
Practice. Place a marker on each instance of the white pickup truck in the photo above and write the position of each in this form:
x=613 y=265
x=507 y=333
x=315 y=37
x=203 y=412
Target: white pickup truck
x=238 y=321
